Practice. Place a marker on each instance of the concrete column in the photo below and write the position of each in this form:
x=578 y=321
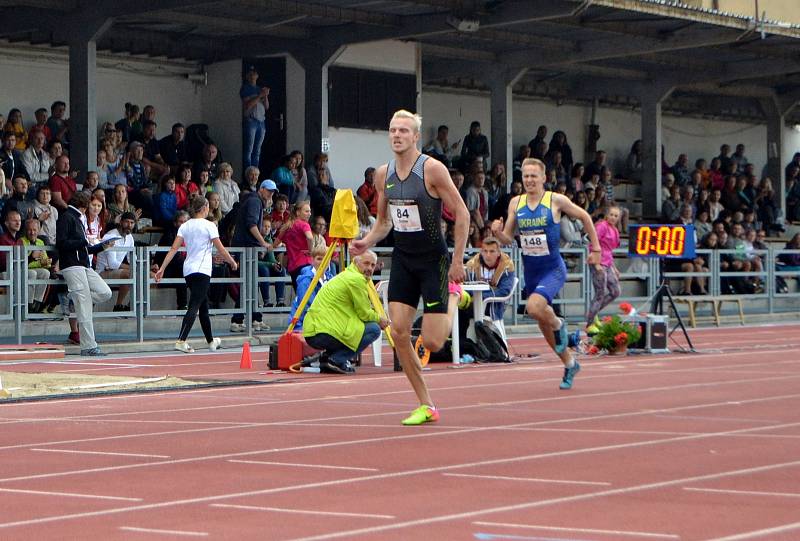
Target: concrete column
x=501 y=82
x=316 y=64
x=83 y=95
x=651 y=100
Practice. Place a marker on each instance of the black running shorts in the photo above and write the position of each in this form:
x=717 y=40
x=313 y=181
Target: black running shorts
x=413 y=275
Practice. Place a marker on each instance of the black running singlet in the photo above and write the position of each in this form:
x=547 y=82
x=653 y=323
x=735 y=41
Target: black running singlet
x=415 y=214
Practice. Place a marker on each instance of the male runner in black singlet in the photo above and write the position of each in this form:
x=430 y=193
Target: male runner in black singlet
x=411 y=189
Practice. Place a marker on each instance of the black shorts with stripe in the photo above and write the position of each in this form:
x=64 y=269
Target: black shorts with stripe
x=413 y=275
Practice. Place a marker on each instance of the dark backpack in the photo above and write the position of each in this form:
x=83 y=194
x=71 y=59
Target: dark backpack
x=489 y=338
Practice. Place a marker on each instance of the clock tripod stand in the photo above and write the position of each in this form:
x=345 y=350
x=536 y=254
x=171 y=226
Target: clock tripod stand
x=657 y=306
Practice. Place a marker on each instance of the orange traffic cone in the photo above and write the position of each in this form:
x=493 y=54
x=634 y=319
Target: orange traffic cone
x=246 y=363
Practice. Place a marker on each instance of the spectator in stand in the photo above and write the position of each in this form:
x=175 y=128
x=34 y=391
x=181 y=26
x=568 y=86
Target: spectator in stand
x=15 y=125
x=729 y=199
x=91 y=182
x=185 y=189
x=248 y=234
x=54 y=150
x=440 y=148
x=477 y=200
x=137 y=130
x=167 y=202
x=715 y=174
x=725 y=159
x=250 y=182
x=318 y=232
x=322 y=196
x=210 y=162
x=575 y=183
x=744 y=200
x=595 y=167
x=283 y=177
x=227 y=189
x=670 y=208
x=303 y=283
x=605 y=275
x=280 y=211
x=555 y=166
x=18 y=200
x=173 y=148
x=126 y=123
x=541 y=137
x=141 y=188
x=41 y=124
x=498 y=183
x=365 y=219
x=57 y=124
x=114 y=264
x=740 y=159
x=559 y=144
x=539 y=151
x=12 y=224
x=39 y=264
x=275 y=264
x=475 y=144
x=152 y=153
x=701 y=168
x=320 y=162
x=95 y=220
x=11 y=158
x=715 y=204
x=702 y=225
x=523 y=154
x=119 y=205
x=681 y=170
x=174 y=268
x=46 y=213
x=214 y=212
x=500 y=209
x=703 y=202
x=85 y=286
x=687 y=199
x=791 y=261
x=300 y=177
x=367 y=191
x=298 y=239
x=794 y=164
x=114 y=165
x=633 y=165
x=255 y=103
x=62 y=183
x=768 y=206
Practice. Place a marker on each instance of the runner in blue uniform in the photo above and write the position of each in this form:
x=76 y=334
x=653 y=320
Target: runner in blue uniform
x=411 y=189
x=536 y=215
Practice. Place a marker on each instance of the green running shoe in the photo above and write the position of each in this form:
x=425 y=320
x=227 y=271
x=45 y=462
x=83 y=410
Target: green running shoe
x=423 y=414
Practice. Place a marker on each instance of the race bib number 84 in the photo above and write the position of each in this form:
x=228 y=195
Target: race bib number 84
x=534 y=244
x=405 y=216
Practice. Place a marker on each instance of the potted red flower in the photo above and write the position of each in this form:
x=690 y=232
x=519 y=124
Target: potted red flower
x=615 y=335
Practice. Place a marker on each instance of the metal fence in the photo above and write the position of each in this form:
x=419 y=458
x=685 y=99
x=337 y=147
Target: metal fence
x=639 y=282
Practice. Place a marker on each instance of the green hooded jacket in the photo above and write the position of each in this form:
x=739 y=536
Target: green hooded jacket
x=341 y=308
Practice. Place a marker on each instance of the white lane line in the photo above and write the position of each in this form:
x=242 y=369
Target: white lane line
x=69 y=494
x=299 y=511
x=581 y=530
x=759 y=533
x=744 y=492
x=79 y=452
x=164 y=532
x=437 y=469
x=533 y=479
x=427 y=434
x=323 y=466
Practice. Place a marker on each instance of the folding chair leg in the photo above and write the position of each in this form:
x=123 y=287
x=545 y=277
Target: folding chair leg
x=377 y=347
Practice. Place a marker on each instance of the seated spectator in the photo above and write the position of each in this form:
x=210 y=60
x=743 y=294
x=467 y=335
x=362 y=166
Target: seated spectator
x=119 y=205
x=322 y=195
x=54 y=150
x=523 y=154
x=280 y=212
x=114 y=264
x=703 y=202
x=633 y=165
x=46 y=213
x=300 y=177
x=559 y=143
x=36 y=160
x=141 y=188
x=730 y=198
x=227 y=189
x=11 y=158
x=725 y=159
x=716 y=175
x=250 y=182
x=681 y=170
x=39 y=264
x=167 y=202
x=700 y=176
x=9 y=237
x=95 y=223
x=597 y=206
x=19 y=199
x=475 y=144
x=320 y=161
x=274 y=266
x=595 y=167
x=114 y=165
x=203 y=182
x=319 y=232
x=477 y=200
x=175 y=267
x=541 y=137
x=497 y=183
x=740 y=159
x=303 y=283
x=365 y=219
x=495 y=267
x=283 y=177
x=702 y=225
x=474 y=237
x=500 y=209
x=15 y=125
x=125 y=124
x=41 y=125
x=184 y=187
x=715 y=204
x=367 y=191
x=152 y=153
x=173 y=148
x=575 y=183
x=341 y=321
x=214 y=212
x=91 y=182
x=791 y=262
x=210 y=162
x=440 y=148
x=768 y=206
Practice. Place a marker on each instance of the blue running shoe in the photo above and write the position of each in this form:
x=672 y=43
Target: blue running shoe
x=569 y=375
x=561 y=337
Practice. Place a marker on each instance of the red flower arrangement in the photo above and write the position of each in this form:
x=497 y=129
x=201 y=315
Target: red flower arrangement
x=614 y=333
x=626 y=308
x=621 y=339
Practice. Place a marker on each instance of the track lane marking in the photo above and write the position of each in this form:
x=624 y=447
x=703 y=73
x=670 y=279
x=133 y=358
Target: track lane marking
x=580 y=530
x=108 y=453
x=69 y=494
x=163 y=532
x=322 y=466
x=300 y=511
x=743 y=492
x=532 y=479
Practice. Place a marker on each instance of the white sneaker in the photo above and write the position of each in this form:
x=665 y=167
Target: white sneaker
x=214 y=344
x=180 y=345
x=260 y=326
x=237 y=327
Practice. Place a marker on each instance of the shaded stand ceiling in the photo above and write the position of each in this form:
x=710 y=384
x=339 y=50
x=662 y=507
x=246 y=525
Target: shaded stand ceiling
x=721 y=66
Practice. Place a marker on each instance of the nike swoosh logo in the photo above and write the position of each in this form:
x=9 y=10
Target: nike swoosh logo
x=389 y=186
x=431 y=304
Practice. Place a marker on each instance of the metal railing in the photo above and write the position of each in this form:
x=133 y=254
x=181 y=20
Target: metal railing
x=638 y=285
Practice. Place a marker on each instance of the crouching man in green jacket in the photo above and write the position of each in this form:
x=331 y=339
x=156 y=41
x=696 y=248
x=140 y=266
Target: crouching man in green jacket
x=341 y=321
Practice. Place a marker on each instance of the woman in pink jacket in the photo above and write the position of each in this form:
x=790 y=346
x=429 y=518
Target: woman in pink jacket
x=605 y=275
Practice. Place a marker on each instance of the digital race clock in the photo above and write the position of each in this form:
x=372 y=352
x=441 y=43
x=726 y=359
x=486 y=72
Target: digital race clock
x=661 y=240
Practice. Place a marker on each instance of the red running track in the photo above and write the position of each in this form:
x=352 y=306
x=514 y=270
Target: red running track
x=691 y=447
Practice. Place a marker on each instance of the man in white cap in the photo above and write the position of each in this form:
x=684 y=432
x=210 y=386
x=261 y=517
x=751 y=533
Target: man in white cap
x=249 y=221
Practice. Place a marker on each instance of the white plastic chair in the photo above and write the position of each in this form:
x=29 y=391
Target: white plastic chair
x=499 y=322
x=377 y=345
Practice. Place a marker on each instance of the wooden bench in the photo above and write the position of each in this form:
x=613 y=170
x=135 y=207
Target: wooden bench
x=716 y=305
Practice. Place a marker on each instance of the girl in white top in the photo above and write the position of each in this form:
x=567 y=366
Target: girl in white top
x=199 y=236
